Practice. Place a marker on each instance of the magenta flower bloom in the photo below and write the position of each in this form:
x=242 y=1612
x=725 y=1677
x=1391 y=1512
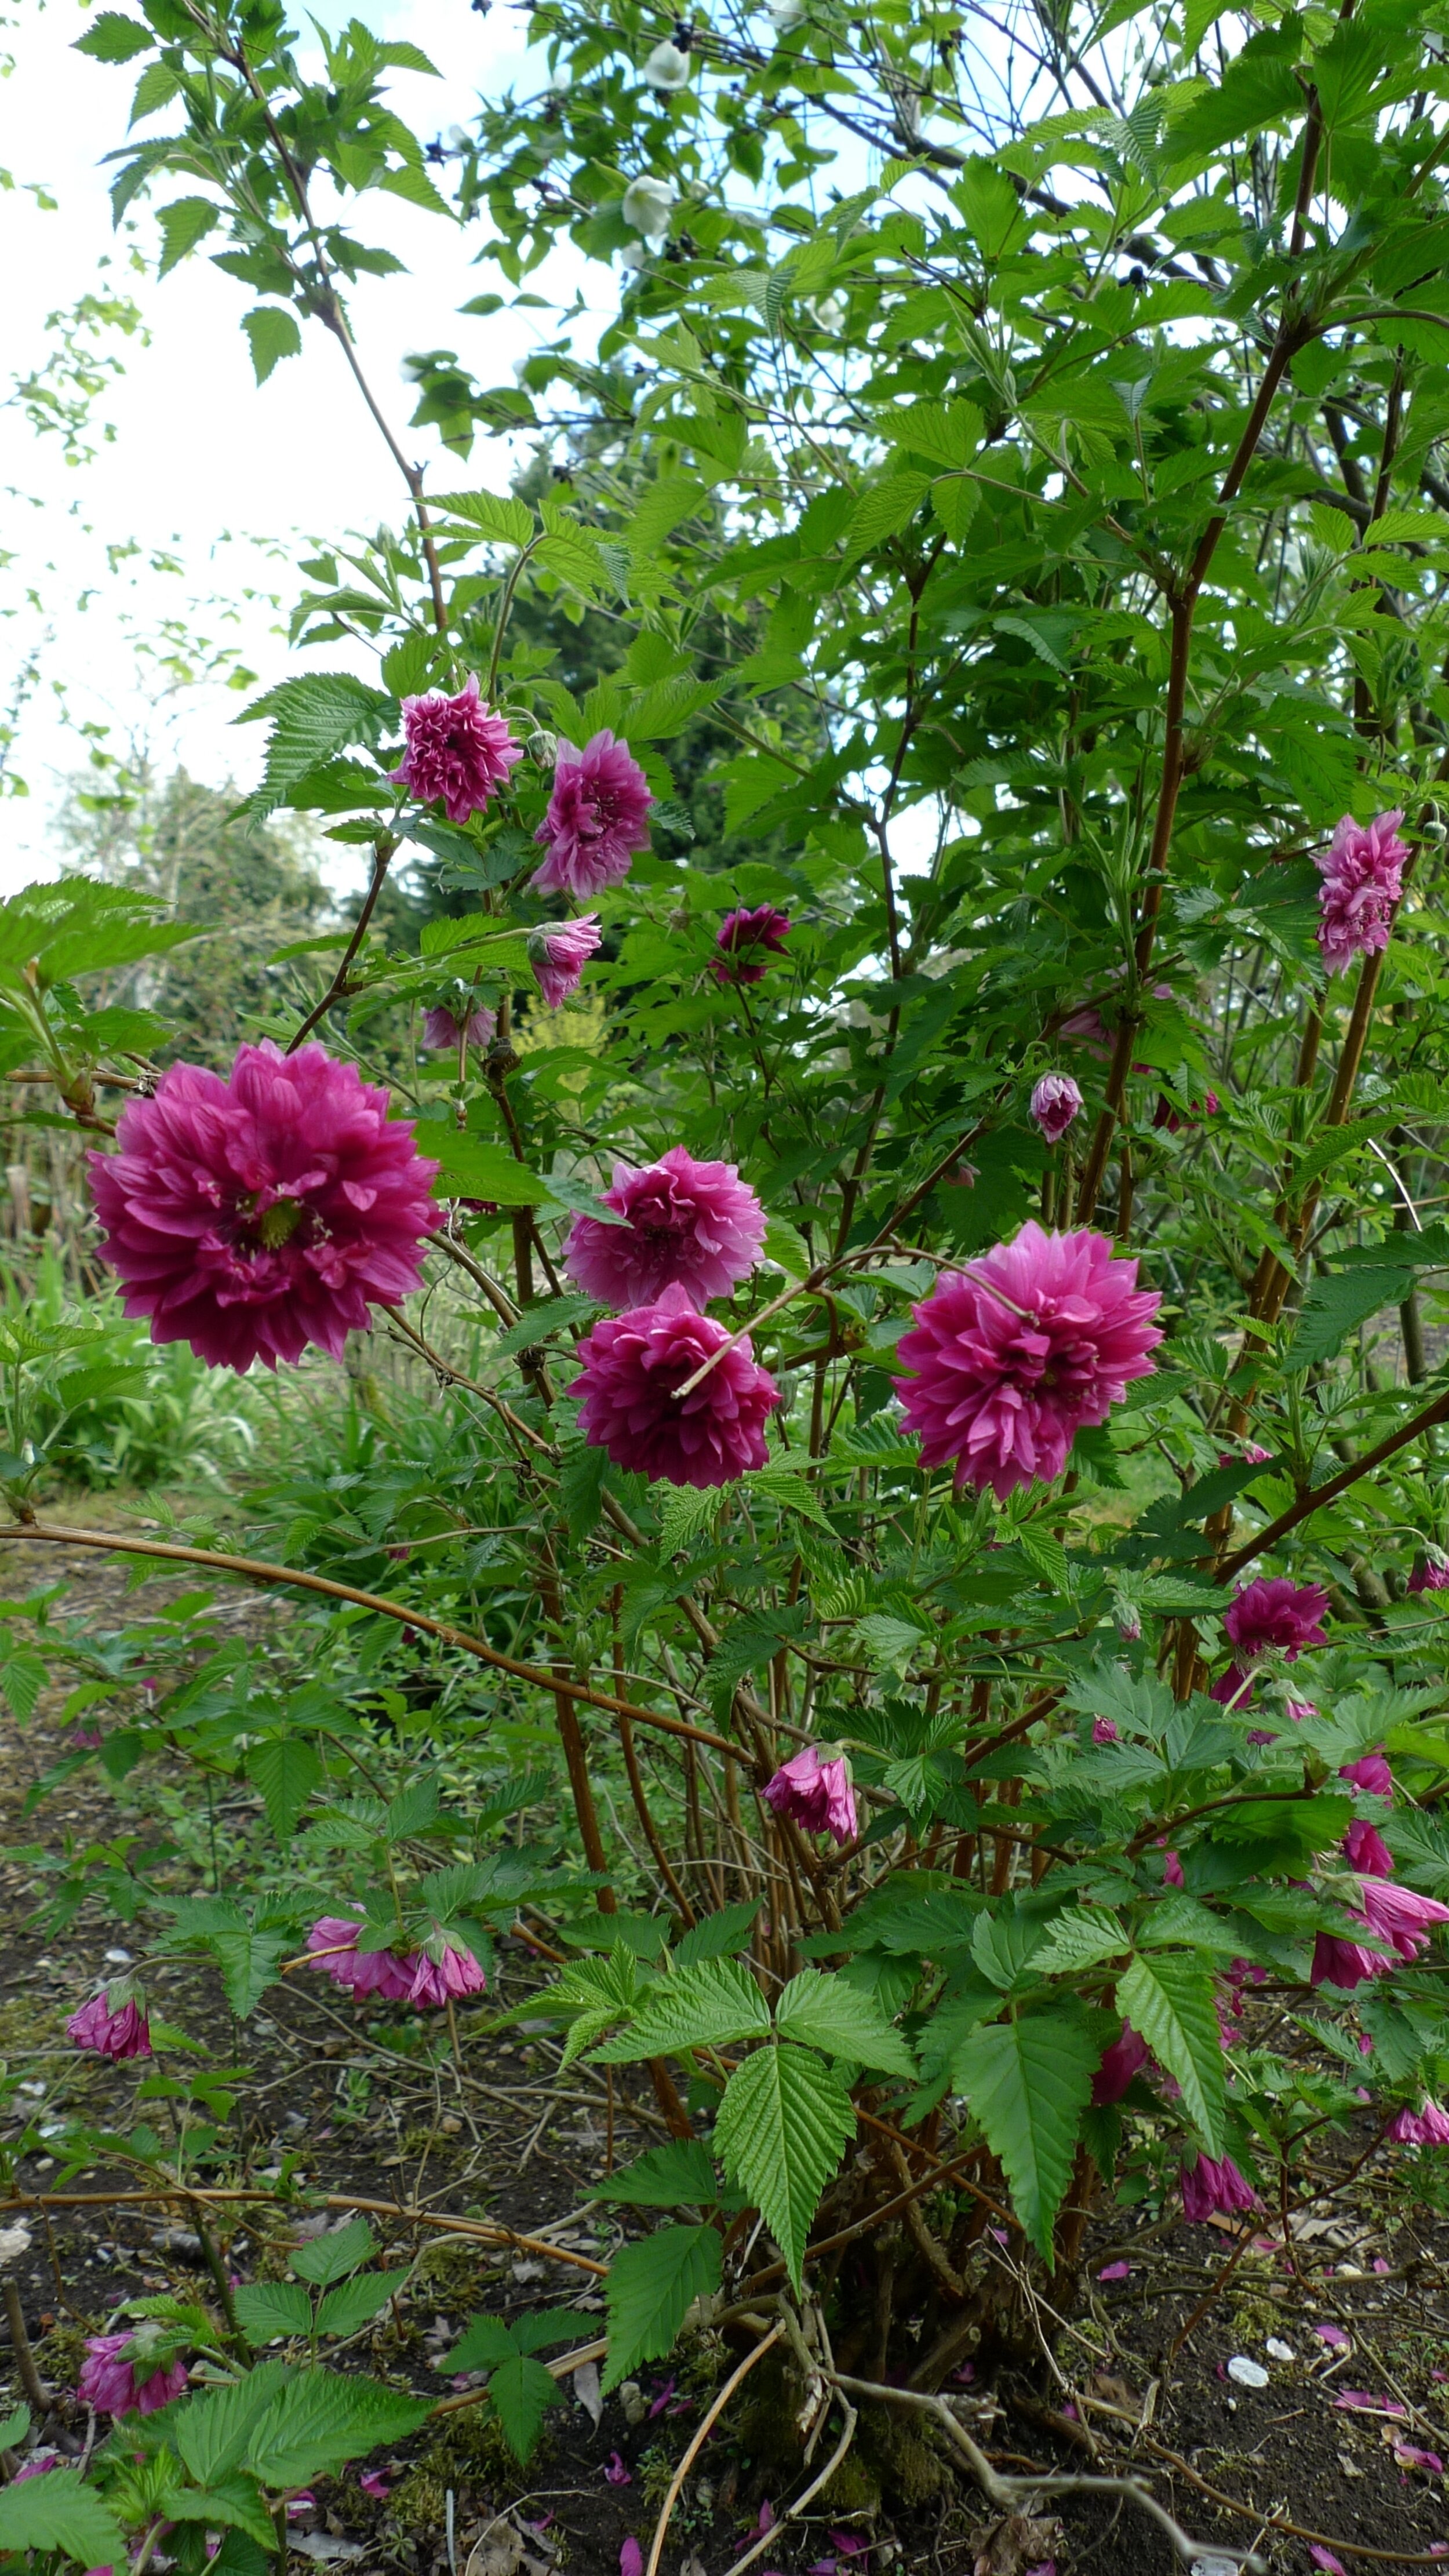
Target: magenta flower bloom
x=633 y=1367
x=1426 y=2128
x=122 y=2033
x=1371 y=1771
x=747 y=941
x=1431 y=1572
x=114 y=2386
x=695 y=1226
x=457 y=753
x=333 y=1942
x=1272 y=1612
x=597 y=818
x=1345 y=1964
x=443 y=1031
x=1104 y=1730
x=1119 y=2063
x=562 y=952
x=436 y=1981
x=401 y=1977
x=1021 y=1350
x=1363 y=872
x=816 y=1794
x=253 y=1216
x=1055 y=1102
x=1172 y=1871
x=1214 y=2186
x=1398 y=1916
x=1233 y=1689
x=1364 y=1849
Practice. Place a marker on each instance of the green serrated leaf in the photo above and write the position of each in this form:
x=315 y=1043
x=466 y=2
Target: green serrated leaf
x=651 y=2288
x=521 y=2392
x=60 y=2512
x=1169 y=2002
x=1028 y=2081
x=1079 y=1938
x=680 y=2175
x=717 y=1936
x=321 y=2420
x=827 y=2013
x=706 y=2006
x=328 y=2258
x=268 y=2308
x=353 y=2304
x=781 y=2129
x=286 y=1769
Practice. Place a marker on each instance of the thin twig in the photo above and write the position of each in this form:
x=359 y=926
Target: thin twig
x=696 y=2446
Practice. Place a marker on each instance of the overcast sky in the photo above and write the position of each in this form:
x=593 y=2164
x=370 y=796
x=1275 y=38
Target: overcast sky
x=205 y=467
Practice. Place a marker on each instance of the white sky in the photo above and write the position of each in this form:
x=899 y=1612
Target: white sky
x=226 y=475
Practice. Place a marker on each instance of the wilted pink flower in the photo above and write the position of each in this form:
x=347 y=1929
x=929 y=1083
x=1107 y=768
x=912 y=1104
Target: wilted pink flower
x=1325 y=2558
x=1398 y=1916
x=597 y=818
x=1363 y=2401
x=1233 y=1689
x=1345 y=1964
x=400 y=1977
x=817 y=1794
x=631 y=2557
x=1370 y=1772
x=1115 y=2272
x=39 y=2465
x=436 y=1981
x=1117 y=2066
x=457 y=753
x=560 y=955
x=1214 y=2186
x=114 y=2386
x=1104 y=1730
x=1172 y=1871
x=695 y=1226
x=1261 y=1735
x=1298 y=1709
x=1021 y=1350
x=374 y=2484
x=1333 y=2336
x=333 y=1942
x=1272 y=1612
x=1364 y=1849
x=747 y=941
x=252 y=1216
x=1129 y=1627
x=616 y=2473
x=443 y=1032
x=1362 y=871
x=1431 y=1572
x=1426 y=2128
x=1256 y=1455
x=633 y=1367
x=1055 y=1102
x=122 y=2033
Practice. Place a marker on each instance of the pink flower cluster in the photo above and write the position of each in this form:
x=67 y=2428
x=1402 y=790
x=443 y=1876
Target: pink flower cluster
x=443 y=1032
x=402 y=1977
x=1014 y=1355
x=1363 y=873
x=1426 y=2128
x=118 y=2033
x=253 y=1216
x=634 y=1368
x=115 y=2377
x=1214 y=2187
x=560 y=954
x=695 y=1226
x=457 y=754
x=1266 y=1617
x=815 y=1794
x=597 y=818
x=1393 y=1914
x=747 y=941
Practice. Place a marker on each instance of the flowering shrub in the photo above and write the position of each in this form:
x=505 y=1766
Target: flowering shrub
x=1025 y=1479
